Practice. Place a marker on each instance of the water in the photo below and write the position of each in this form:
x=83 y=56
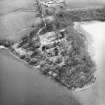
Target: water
x=20 y=85
x=95 y=95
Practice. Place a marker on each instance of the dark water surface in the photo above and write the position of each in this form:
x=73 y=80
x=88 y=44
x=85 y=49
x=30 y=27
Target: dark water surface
x=22 y=86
